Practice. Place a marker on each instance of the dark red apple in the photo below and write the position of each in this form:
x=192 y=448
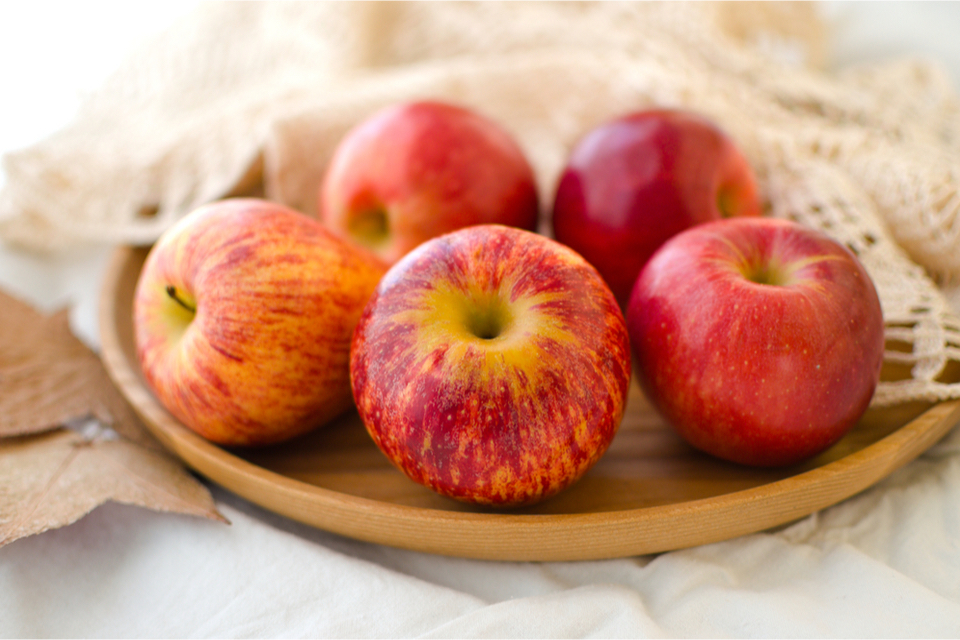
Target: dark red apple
x=636 y=181
x=759 y=340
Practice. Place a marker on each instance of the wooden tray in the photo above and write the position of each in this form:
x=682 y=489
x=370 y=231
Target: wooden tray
x=650 y=492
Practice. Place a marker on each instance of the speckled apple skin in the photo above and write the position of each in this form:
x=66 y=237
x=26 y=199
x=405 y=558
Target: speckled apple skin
x=755 y=373
x=505 y=421
x=277 y=297
x=432 y=167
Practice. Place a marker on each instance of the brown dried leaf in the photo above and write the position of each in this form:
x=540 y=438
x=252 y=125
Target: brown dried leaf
x=53 y=479
x=48 y=377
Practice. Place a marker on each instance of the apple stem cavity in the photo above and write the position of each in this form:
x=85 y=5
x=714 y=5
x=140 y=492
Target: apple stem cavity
x=489 y=321
x=727 y=202
x=174 y=294
x=370 y=227
x=768 y=273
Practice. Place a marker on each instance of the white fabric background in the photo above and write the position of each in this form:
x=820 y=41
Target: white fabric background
x=883 y=564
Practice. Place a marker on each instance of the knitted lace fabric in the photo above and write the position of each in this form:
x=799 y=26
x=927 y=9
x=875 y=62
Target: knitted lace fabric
x=250 y=98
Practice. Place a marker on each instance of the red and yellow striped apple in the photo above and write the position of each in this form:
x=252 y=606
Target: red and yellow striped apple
x=633 y=182
x=492 y=365
x=759 y=340
x=243 y=315
x=416 y=170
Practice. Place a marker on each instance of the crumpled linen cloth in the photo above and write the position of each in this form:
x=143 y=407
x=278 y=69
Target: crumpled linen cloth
x=883 y=564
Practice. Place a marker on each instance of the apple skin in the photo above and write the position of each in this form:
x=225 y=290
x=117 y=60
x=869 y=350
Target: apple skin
x=758 y=339
x=417 y=170
x=492 y=365
x=265 y=357
x=635 y=181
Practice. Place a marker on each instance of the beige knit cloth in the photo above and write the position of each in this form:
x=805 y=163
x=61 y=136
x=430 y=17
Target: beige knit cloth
x=251 y=98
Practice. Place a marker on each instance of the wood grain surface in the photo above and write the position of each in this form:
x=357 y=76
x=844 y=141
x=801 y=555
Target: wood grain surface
x=650 y=492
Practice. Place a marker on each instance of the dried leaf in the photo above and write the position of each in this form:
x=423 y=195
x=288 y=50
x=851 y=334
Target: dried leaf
x=51 y=476
x=20 y=329
x=48 y=377
x=53 y=479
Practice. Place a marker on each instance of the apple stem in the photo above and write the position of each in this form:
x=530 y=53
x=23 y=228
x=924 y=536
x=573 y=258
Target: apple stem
x=172 y=292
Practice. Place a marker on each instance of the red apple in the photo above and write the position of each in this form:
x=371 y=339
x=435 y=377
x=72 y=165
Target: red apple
x=492 y=365
x=243 y=316
x=636 y=181
x=758 y=339
x=414 y=171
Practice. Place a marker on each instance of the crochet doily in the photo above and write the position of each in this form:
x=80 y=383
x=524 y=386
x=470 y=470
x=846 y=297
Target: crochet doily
x=250 y=98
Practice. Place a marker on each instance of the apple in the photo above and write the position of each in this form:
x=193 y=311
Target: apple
x=417 y=170
x=635 y=181
x=243 y=315
x=758 y=339
x=492 y=365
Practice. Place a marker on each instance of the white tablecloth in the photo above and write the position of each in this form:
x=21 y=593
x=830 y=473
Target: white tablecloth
x=885 y=563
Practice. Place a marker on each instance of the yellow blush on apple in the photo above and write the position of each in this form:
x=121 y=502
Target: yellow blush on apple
x=243 y=315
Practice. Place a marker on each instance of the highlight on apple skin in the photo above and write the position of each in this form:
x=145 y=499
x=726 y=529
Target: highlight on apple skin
x=243 y=315
x=758 y=339
x=417 y=170
x=492 y=366
x=635 y=181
